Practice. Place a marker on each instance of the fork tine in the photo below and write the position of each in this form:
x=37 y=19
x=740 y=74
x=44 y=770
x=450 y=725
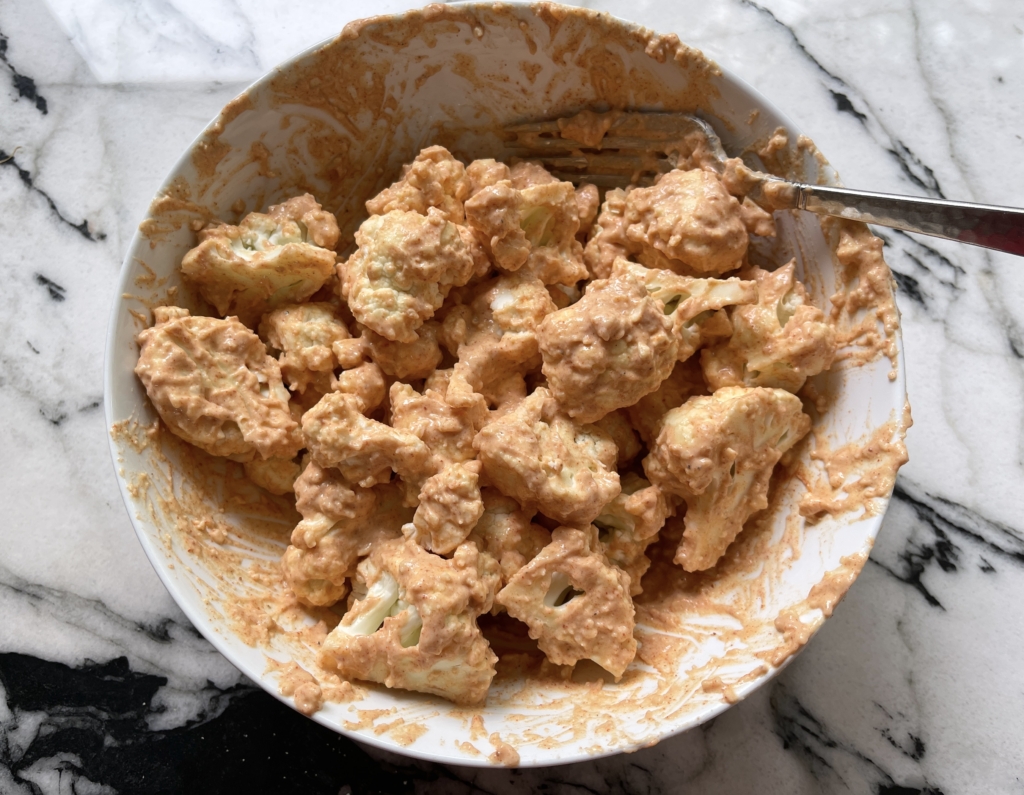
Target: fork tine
x=603 y=181
x=534 y=127
x=528 y=141
x=636 y=147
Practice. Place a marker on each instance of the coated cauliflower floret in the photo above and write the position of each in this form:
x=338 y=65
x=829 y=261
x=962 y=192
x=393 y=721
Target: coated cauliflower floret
x=543 y=458
x=484 y=173
x=576 y=604
x=325 y=499
x=757 y=220
x=406 y=361
x=777 y=342
x=532 y=225
x=616 y=425
x=449 y=508
x=687 y=221
x=494 y=213
x=608 y=241
x=402 y=270
x=494 y=337
x=630 y=523
x=363 y=450
x=413 y=625
x=433 y=179
x=505 y=532
x=351 y=353
x=550 y=220
x=276 y=475
x=528 y=173
x=446 y=431
x=281 y=256
x=588 y=202
x=609 y=349
x=366 y=383
x=647 y=413
x=693 y=304
x=718 y=453
x=304 y=334
x=318 y=575
x=213 y=384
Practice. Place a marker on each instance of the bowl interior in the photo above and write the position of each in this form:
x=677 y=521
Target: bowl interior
x=339 y=121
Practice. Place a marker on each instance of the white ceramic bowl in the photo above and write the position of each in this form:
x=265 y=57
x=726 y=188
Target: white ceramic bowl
x=339 y=120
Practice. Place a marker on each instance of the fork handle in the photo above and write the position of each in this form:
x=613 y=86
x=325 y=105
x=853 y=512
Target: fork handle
x=999 y=228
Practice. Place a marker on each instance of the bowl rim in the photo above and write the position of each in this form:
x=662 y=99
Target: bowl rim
x=203 y=623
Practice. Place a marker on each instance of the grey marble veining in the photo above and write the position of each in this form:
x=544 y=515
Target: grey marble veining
x=915 y=683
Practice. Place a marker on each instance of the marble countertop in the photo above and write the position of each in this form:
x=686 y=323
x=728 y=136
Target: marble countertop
x=914 y=686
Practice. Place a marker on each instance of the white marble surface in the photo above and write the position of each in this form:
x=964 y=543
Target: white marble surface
x=916 y=683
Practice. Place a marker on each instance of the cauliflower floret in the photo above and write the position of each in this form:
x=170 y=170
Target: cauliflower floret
x=446 y=431
x=718 y=453
x=542 y=458
x=757 y=220
x=647 y=413
x=777 y=342
x=449 y=508
x=484 y=173
x=692 y=304
x=276 y=475
x=363 y=450
x=616 y=425
x=282 y=256
x=609 y=349
x=304 y=334
x=608 y=241
x=687 y=219
x=366 y=383
x=588 y=202
x=402 y=270
x=325 y=499
x=415 y=626
x=563 y=295
x=494 y=213
x=532 y=226
x=318 y=574
x=575 y=603
x=482 y=265
x=527 y=174
x=550 y=220
x=505 y=532
x=351 y=353
x=406 y=361
x=433 y=179
x=213 y=384
x=630 y=523
x=495 y=339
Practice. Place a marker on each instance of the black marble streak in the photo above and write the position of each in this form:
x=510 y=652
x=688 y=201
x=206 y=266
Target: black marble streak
x=8 y=160
x=943 y=521
x=824 y=754
x=843 y=94
x=55 y=290
x=924 y=275
x=25 y=85
x=912 y=748
x=95 y=728
x=843 y=105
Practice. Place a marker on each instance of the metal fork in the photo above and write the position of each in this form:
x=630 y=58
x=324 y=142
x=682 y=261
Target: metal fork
x=638 y=147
